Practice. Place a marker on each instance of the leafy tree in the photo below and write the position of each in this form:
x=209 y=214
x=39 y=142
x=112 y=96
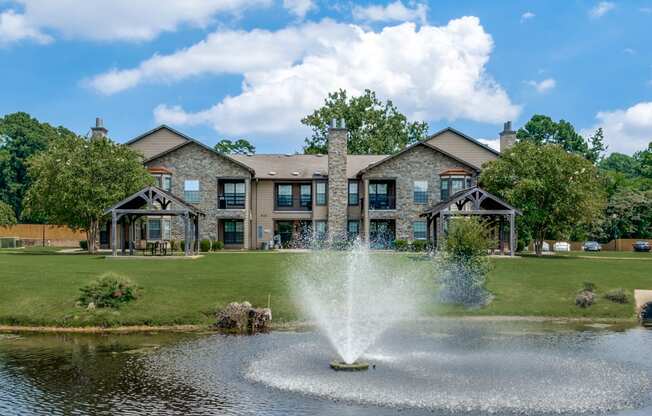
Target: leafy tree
x=554 y=189
x=238 y=147
x=542 y=129
x=618 y=162
x=644 y=159
x=374 y=127
x=7 y=216
x=76 y=179
x=628 y=215
x=22 y=136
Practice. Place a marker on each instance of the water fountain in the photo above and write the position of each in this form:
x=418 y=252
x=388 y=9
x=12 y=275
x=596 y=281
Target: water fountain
x=354 y=296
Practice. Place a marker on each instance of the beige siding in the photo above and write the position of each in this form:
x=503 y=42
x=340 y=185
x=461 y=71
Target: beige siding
x=157 y=142
x=462 y=148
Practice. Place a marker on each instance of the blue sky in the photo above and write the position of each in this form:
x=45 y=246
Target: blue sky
x=252 y=68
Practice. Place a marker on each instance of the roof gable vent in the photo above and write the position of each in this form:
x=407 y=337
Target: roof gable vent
x=295 y=173
x=272 y=172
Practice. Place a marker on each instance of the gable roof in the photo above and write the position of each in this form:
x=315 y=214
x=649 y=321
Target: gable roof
x=423 y=143
x=154 y=130
x=466 y=193
x=464 y=136
x=189 y=140
x=156 y=193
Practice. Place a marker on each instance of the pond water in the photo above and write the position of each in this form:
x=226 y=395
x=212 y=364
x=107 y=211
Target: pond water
x=443 y=367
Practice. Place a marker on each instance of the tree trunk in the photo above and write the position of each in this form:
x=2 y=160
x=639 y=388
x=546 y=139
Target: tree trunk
x=91 y=236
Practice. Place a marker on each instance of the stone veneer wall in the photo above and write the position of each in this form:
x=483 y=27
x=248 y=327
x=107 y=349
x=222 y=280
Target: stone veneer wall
x=193 y=162
x=337 y=182
x=418 y=163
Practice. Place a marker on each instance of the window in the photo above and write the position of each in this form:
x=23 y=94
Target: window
x=305 y=199
x=233 y=232
x=191 y=191
x=154 y=229
x=353 y=229
x=354 y=196
x=452 y=184
x=379 y=196
x=163 y=181
x=284 y=195
x=420 y=230
x=260 y=231
x=420 y=192
x=234 y=195
x=320 y=229
x=321 y=193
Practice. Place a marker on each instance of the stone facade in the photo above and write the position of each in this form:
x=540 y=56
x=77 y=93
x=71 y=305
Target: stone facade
x=337 y=182
x=420 y=163
x=507 y=137
x=193 y=162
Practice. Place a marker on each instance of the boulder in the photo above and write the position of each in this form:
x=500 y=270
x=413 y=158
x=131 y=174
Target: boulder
x=585 y=298
x=242 y=318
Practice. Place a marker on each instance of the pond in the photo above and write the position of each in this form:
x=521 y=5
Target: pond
x=433 y=367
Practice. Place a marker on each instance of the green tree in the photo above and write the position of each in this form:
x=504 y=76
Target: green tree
x=374 y=127
x=238 y=147
x=628 y=215
x=644 y=159
x=7 y=216
x=554 y=189
x=542 y=129
x=76 y=179
x=22 y=136
x=618 y=162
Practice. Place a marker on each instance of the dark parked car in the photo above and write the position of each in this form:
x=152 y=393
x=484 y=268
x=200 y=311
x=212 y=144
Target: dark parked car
x=592 y=246
x=641 y=246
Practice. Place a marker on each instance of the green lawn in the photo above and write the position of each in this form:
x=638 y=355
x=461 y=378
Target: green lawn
x=40 y=287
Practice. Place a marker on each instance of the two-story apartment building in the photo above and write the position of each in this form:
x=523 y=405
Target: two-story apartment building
x=248 y=200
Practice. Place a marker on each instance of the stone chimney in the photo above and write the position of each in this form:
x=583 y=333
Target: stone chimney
x=99 y=130
x=507 y=136
x=337 y=180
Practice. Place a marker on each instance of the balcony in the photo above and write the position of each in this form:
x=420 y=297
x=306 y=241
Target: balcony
x=293 y=203
x=382 y=202
x=231 y=201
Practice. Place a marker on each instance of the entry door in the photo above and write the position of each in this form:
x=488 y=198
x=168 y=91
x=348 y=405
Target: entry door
x=285 y=230
x=381 y=233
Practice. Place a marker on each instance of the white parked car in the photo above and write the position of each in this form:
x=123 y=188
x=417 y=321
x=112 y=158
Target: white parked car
x=545 y=246
x=561 y=246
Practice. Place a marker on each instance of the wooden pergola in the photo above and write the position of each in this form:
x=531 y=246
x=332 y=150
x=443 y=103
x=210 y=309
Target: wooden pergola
x=473 y=201
x=152 y=201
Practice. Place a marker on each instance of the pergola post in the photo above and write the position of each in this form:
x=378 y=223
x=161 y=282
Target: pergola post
x=197 y=234
x=114 y=237
x=512 y=235
x=501 y=235
x=186 y=234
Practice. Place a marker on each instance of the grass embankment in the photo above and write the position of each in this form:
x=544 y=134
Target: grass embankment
x=40 y=287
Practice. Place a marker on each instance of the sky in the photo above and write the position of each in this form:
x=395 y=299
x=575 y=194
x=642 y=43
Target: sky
x=252 y=69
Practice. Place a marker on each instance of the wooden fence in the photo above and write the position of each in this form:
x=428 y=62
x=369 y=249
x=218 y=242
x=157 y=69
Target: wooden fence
x=621 y=244
x=44 y=235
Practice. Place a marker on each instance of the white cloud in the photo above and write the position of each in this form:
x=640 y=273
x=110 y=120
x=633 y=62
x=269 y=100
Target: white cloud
x=493 y=143
x=601 y=9
x=14 y=27
x=393 y=12
x=543 y=86
x=125 y=20
x=629 y=51
x=627 y=130
x=431 y=73
x=527 y=16
x=299 y=7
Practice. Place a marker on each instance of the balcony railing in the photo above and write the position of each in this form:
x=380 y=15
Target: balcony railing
x=290 y=203
x=231 y=201
x=382 y=201
x=192 y=197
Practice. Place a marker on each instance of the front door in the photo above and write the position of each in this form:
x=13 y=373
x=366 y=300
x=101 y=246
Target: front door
x=284 y=229
x=381 y=233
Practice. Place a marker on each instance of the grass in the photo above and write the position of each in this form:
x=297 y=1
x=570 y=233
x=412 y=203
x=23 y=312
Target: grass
x=40 y=287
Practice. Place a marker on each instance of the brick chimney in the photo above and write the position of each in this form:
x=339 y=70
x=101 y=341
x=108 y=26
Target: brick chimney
x=507 y=136
x=99 y=130
x=337 y=180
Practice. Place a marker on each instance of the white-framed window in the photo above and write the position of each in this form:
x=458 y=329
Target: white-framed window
x=420 y=192
x=354 y=196
x=321 y=197
x=353 y=228
x=159 y=229
x=321 y=227
x=284 y=195
x=420 y=230
x=191 y=191
x=163 y=181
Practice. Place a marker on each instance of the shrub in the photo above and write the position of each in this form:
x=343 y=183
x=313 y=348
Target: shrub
x=588 y=286
x=205 y=246
x=173 y=246
x=182 y=245
x=420 y=245
x=617 y=296
x=401 y=245
x=110 y=290
x=584 y=298
x=217 y=245
x=83 y=244
x=464 y=263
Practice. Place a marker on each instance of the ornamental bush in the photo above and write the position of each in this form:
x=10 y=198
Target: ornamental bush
x=217 y=245
x=83 y=244
x=617 y=296
x=401 y=245
x=420 y=245
x=110 y=290
x=464 y=263
x=205 y=246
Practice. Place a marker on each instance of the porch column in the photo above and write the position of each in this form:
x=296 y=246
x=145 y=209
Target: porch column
x=512 y=235
x=186 y=236
x=365 y=210
x=440 y=229
x=132 y=235
x=197 y=233
x=501 y=235
x=114 y=231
